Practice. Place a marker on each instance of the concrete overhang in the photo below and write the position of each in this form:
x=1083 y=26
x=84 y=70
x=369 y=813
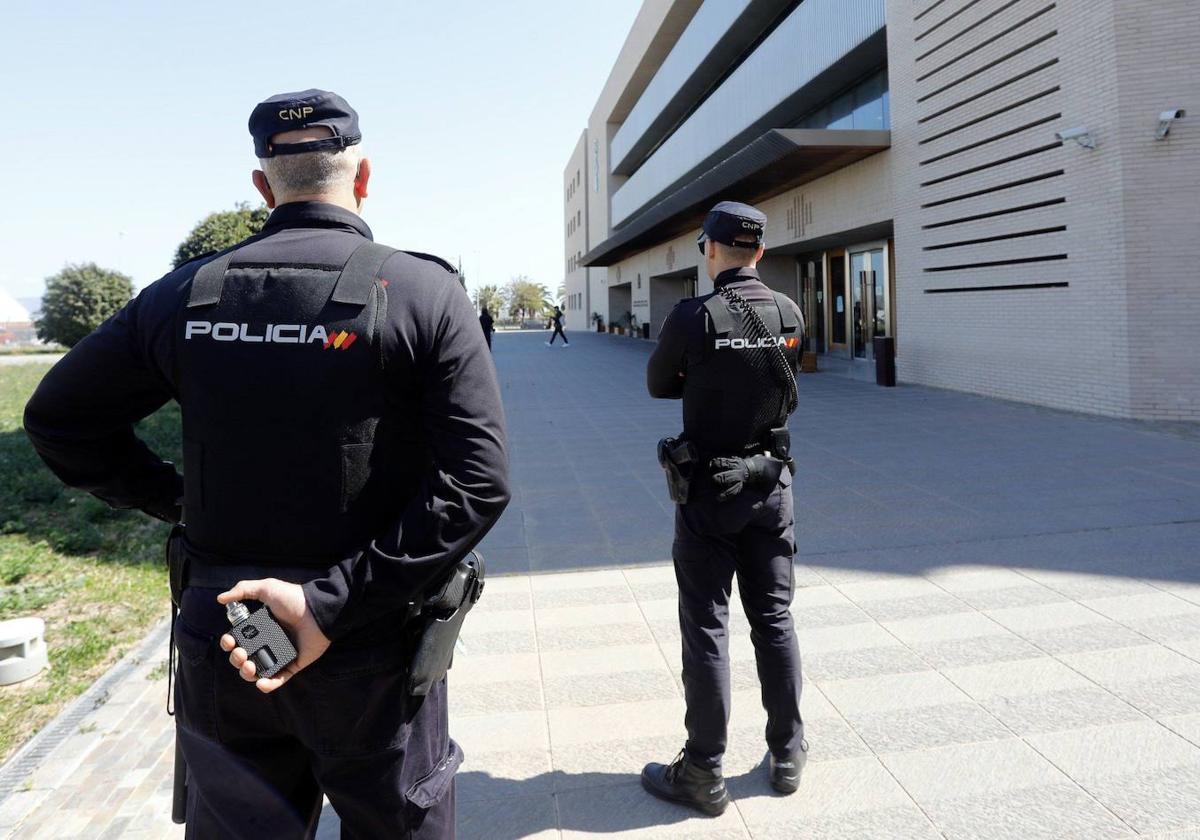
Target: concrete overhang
x=778 y=161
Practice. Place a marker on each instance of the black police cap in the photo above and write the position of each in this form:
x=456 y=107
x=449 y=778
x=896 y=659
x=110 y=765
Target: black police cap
x=306 y=108
x=733 y=223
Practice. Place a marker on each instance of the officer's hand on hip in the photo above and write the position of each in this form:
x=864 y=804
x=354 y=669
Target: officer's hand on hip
x=287 y=604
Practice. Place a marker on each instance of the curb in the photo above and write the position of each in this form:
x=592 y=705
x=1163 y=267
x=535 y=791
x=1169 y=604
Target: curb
x=27 y=759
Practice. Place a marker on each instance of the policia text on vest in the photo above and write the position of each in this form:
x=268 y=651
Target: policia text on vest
x=344 y=450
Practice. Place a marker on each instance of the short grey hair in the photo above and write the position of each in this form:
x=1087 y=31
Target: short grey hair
x=312 y=173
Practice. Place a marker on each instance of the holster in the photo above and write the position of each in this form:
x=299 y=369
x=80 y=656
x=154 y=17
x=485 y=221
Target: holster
x=678 y=459
x=440 y=622
x=779 y=445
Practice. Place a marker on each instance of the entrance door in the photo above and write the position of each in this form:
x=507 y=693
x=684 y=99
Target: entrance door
x=812 y=304
x=870 y=316
x=839 y=305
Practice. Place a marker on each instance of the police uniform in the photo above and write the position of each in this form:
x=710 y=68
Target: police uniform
x=342 y=429
x=734 y=371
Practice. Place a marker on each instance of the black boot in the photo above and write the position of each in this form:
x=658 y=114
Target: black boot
x=785 y=772
x=683 y=782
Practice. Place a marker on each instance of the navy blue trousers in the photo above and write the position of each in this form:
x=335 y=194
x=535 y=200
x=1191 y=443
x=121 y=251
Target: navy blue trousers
x=344 y=727
x=750 y=535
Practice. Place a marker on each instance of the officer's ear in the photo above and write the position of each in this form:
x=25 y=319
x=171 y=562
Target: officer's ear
x=264 y=189
x=758 y=255
x=361 y=177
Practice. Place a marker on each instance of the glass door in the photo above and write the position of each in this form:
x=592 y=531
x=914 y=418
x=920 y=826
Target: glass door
x=812 y=304
x=838 y=307
x=860 y=286
x=869 y=285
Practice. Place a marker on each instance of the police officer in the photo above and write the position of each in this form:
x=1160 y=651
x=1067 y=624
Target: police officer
x=731 y=356
x=343 y=446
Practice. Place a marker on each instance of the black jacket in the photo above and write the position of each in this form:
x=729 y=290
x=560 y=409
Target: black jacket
x=430 y=491
x=730 y=395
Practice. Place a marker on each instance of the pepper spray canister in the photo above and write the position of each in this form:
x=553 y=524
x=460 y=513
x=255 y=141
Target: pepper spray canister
x=259 y=634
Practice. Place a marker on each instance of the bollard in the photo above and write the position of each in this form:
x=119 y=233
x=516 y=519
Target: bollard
x=22 y=649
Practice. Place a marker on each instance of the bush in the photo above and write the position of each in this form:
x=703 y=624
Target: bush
x=218 y=231
x=78 y=299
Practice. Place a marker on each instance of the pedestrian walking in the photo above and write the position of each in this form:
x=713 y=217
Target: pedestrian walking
x=488 y=325
x=343 y=449
x=731 y=356
x=557 y=319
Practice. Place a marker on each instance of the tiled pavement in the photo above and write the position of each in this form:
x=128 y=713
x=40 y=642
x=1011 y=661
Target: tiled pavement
x=998 y=607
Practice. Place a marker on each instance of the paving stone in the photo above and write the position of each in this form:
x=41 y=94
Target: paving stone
x=503 y=774
x=613 y=687
x=897 y=691
x=1026 y=595
x=1187 y=726
x=1008 y=679
x=1127 y=608
x=510 y=641
x=1049 y=812
x=843 y=637
x=625 y=811
x=508 y=818
x=572 y=638
x=1164 y=801
x=1053 y=711
x=971 y=770
x=1143 y=748
x=900 y=823
x=938 y=603
x=981 y=649
x=607 y=659
x=496 y=697
x=1131 y=665
x=1039 y=617
x=828 y=789
x=1178 y=695
x=932 y=726
x=827 y=615
x=1167 y=629
x=1102 y=635
x=948 y=626
x=846 y=664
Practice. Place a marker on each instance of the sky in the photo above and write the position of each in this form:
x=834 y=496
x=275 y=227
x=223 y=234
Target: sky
x=126 y=122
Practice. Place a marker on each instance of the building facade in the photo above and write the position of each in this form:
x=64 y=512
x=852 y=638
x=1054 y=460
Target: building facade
x=992 y=183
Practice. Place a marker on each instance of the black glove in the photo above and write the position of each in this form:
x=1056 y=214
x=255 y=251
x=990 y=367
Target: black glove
x=732 y=475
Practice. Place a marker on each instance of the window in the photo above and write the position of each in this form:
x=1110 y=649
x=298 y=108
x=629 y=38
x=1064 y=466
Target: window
x=864 y=106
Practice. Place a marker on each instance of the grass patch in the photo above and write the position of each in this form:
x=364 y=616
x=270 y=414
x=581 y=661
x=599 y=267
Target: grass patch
x=31 y=350
x=95 y=575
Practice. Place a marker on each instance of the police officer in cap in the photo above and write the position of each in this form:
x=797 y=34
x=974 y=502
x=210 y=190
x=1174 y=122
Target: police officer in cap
x=732 y=358
x=343 y=446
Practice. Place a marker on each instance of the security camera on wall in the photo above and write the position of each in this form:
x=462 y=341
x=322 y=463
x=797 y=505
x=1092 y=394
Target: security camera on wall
x=1166 y=118
x=1080 y=135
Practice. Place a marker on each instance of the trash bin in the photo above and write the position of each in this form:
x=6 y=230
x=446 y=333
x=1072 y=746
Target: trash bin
x=646 y=330
x=885 y=361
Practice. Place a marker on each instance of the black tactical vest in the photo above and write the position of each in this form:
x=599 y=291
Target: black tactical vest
x=282 y=390
x=731 y=396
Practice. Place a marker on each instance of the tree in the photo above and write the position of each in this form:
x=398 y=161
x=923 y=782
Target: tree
x=218 y=231
x=526 y=298
x=490 y=296
x=78 y=299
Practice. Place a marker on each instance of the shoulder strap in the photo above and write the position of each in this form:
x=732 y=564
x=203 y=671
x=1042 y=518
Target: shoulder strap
x=357 y=280
x=787 y=313
x=719 y=314
x=208 y=281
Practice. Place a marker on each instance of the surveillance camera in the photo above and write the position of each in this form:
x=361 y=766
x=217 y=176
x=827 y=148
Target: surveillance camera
x=1080 y=135
x=1166 y=118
